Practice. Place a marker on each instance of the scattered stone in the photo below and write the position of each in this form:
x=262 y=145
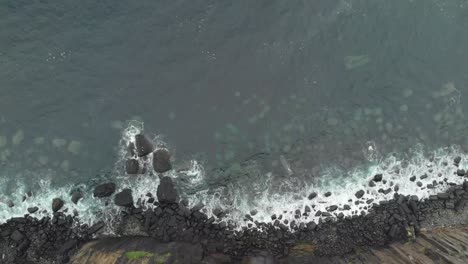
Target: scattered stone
x=161 y=160
x=346 y=207
x=57 y=204
x=124 y=198
x=332 y=208
x=253 y=212
x=359 y=194
x=32 y=210
x=378 y=177
x=104 y=190
x=312 y=195
x=327 y=194
x=461 y=172
x=166 y=192
x=419 y=184
x=132 y=166
x=143 y=145
x=424 y=176
x=371 y=184
x=412 y=178
x=457 y=160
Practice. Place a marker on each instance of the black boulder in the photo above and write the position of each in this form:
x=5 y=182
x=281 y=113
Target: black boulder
x=124 y=198
x=161 y=160
x=166 y=192
x=143 y=145
x=57 y=204
x=132 y=166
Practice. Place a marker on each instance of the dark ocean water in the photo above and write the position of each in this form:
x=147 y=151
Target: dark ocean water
x=311 y=85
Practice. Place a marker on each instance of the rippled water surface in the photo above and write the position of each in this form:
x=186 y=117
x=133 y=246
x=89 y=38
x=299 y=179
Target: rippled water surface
x=267 y=96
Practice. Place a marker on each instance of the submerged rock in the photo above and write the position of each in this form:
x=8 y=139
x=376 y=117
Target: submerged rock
x=166 y=192
x=124 y=198
x=161 y=160
x=143 y=144
x=57 y=204
x=76 y=196
x=104 y=190
x=132 y=166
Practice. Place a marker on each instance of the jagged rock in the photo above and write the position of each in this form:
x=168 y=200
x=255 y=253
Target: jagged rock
x=104 y=190
x=143 y=145
x=166 y=192
x=124 y=198
x=162 y=160
x=132 y=166
x=57 y=204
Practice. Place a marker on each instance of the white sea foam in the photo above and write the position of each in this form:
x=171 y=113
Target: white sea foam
x=258 y=193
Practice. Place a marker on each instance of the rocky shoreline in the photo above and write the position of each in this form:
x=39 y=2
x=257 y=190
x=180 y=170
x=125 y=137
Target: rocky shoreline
x=165 y=218
x=54 y=240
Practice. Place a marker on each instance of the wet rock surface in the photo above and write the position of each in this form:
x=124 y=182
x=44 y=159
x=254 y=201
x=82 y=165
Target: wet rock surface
x=161 y=160
x=143 y=145
x=55 y=240
x=166 y=192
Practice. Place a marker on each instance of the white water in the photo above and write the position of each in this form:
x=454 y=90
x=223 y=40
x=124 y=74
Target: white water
x=237 y=202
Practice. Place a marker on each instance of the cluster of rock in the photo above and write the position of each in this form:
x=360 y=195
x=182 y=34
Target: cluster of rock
x=138 y=152
x=169 y=219
x=31 y=240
